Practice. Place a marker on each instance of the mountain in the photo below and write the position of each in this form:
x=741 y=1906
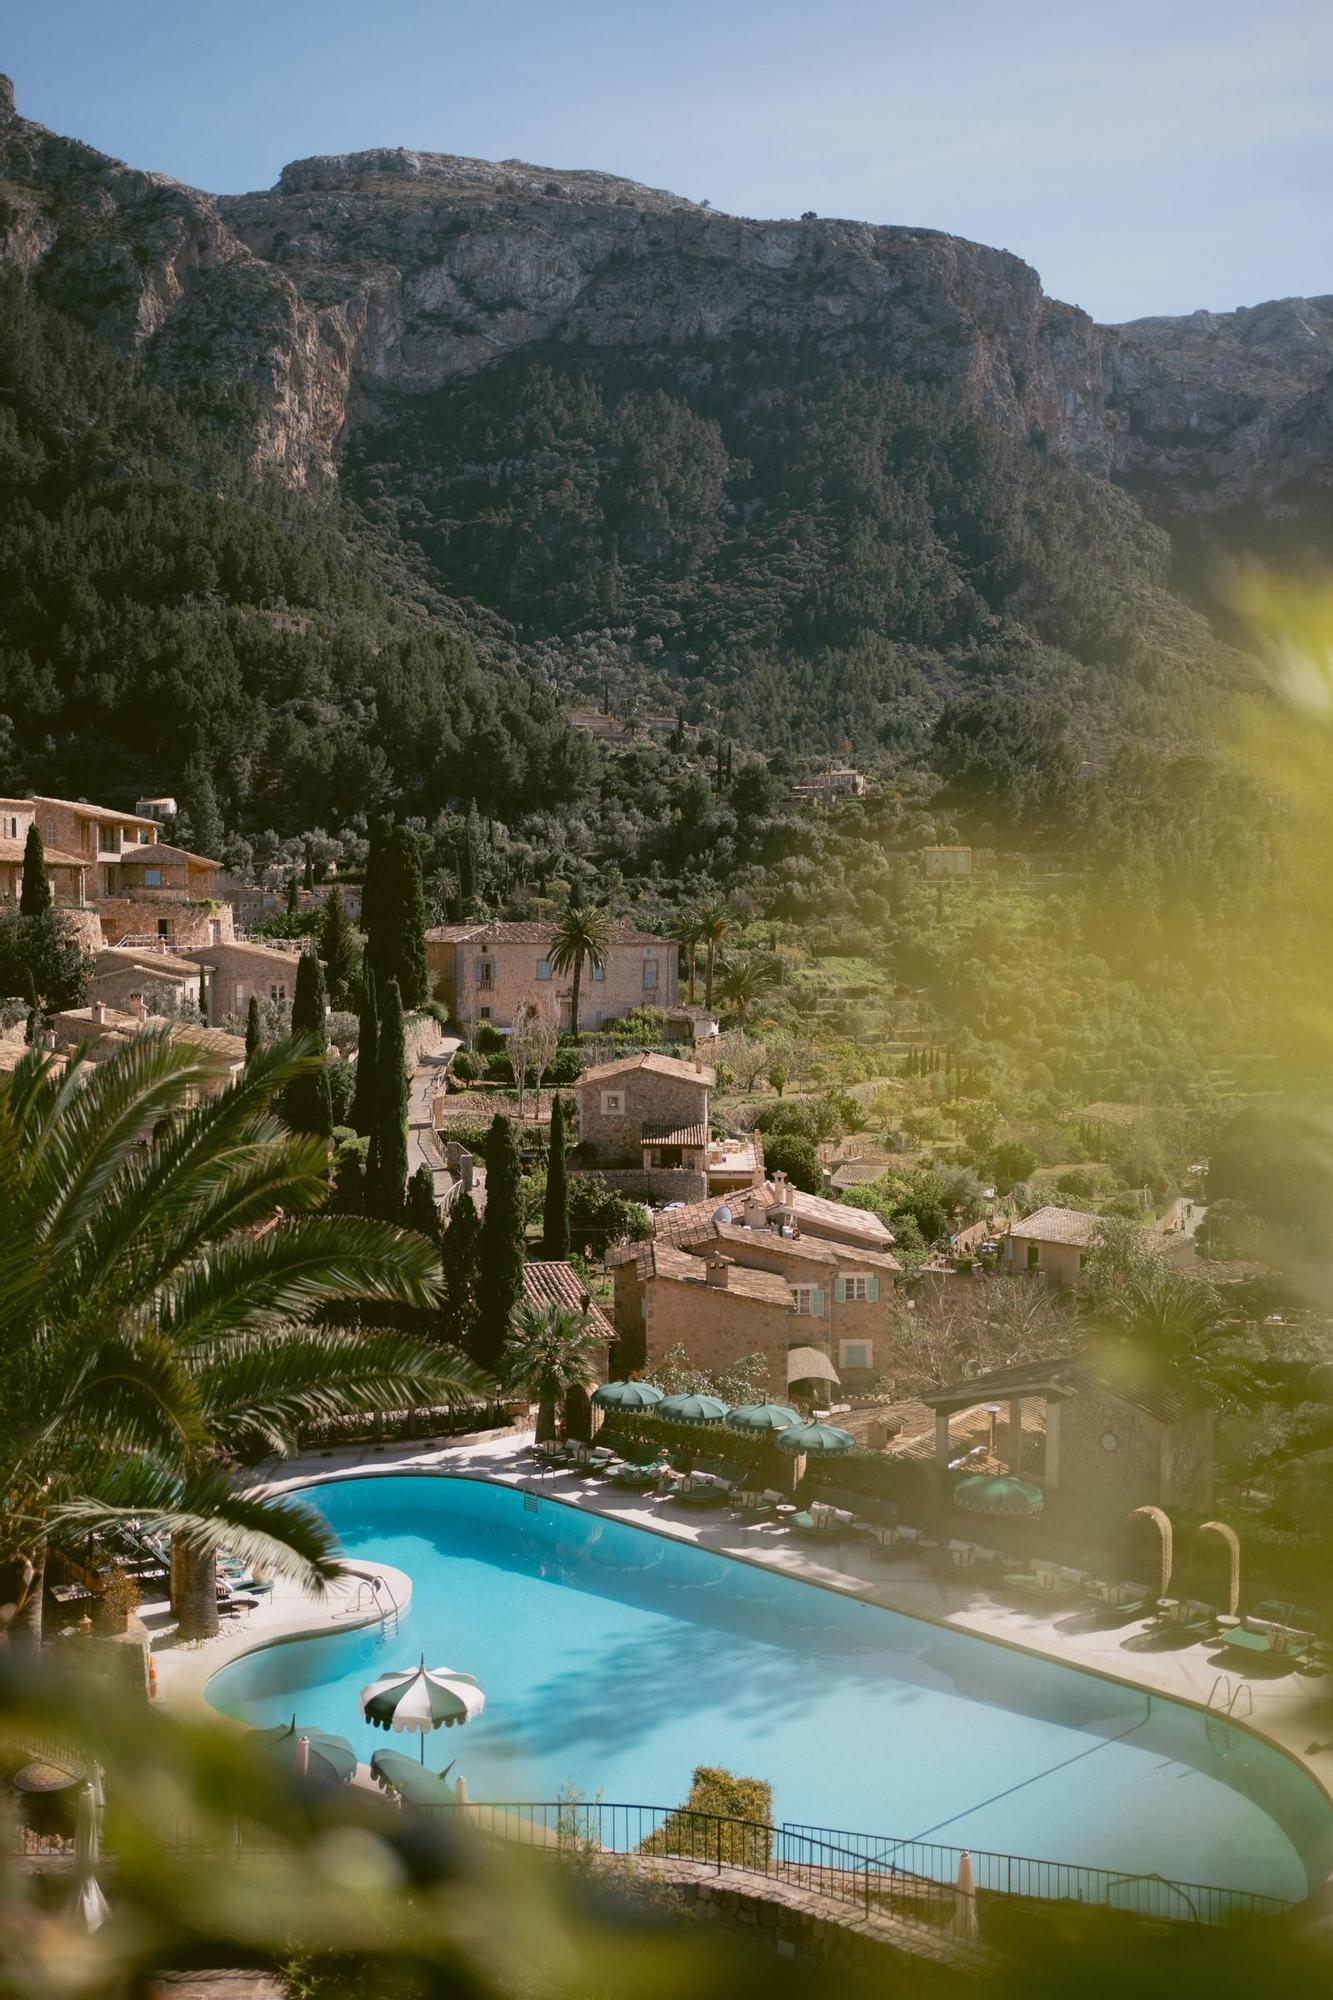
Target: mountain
x=809 y=477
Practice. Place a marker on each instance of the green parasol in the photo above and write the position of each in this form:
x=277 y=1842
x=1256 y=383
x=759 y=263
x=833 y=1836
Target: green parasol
x=986 y=1493
x=764 y=1418
x=815 y=1440
x=627 y=1396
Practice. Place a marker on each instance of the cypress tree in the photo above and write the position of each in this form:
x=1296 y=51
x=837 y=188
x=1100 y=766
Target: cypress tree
x=35 y=895
x=367 y=1059
x=555 y=1213
x=254 y=1039
x=376 y=896
x=386 y=1175
x=337 y=947
x=422 y=1213
x=293 y=896
x=307 y=1105
x=500 y=1250
x=308 y=878
x=458 y=1257
x=201 y=813
x=410 y=929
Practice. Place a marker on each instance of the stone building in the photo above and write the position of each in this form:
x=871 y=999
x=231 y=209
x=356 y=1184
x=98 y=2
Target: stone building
x=645 y=1111
x=841 y=1284
x=1113 y=1441
x=1051 y=1243
x=235 y=972
x=98 y=1030
x=486 y=972
x=121 y=977
x=714 y=1308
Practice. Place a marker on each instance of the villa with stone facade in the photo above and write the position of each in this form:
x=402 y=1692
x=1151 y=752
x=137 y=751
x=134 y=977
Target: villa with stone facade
x=487 y=971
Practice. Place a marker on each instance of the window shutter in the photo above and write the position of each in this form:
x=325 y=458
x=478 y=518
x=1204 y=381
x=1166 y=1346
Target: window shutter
x=840 y=1291
x=477 y=970
x=872 y=1289
x=817 y=1301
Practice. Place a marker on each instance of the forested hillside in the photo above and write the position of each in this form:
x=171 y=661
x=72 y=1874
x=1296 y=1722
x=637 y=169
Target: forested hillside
x=137 y=563
x=812 y=550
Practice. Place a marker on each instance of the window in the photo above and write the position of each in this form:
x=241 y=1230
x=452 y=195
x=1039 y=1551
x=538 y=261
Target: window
x=11 y=827
x=613 y=1104
x=152 y=878
x=855 y=1354
x=543 y=968
x=599 y=972
x=277 y=992
x=164 y=927
x=1034 y=1256
x=857 y=1290
x=485 y=973
x=650 y=972
x=809 y=1300
x=485 y=1013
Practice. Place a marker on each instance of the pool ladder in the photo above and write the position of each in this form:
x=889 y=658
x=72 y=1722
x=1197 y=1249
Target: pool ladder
x=1221 y=1710
x=369 y=1589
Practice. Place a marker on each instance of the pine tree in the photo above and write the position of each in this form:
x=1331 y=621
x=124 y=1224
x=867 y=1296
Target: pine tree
x=367 y=1059
x=254 y=1038
x=337 y=947
x=386 y=1175
x=35 y=895
x=306 y=1104
x=500 y=1249
x=458 y=1258
x=422 y=1214
x=555 y=1213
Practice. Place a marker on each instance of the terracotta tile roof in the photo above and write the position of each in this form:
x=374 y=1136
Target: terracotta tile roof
x=1057 y=1225
x=815 y=1215
x=559 y=1284
x=533 y=933
x=248 y=953
x=663 y=1260
x=150 y=853
x=683 y=1072
x=858 y=1173
x=1062 y=1376
x=127 y=958
x=13 y=850
x=674 y=1135
x=92 y=812
x=78 y=1024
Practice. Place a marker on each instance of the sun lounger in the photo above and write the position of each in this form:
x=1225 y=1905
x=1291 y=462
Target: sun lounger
x=702 y=1490
x=1268 y=1641
x=821 y=1521
x=638 y=1476
x=1186 y=1615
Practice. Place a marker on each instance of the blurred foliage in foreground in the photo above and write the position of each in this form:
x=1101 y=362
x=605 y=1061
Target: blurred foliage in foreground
x=339 y=1892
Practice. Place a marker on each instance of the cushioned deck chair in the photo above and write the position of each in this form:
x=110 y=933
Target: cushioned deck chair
x=638 y=1476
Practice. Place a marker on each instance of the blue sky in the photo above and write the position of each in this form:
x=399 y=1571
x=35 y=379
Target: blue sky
x=1144 y=157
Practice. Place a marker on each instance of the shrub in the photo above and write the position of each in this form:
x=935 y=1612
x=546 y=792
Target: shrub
x=724 y=1815
x=466 y=1067
x=342 y=1088
x=787 y=1154
x=597 y=1214
x=566 y=1068
x=489 y=1040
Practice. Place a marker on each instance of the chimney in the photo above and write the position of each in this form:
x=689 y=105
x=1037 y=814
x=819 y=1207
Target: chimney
x=137 y=1008
x=715 y=1271
x=97 y=1012
x=698 y=1061
x=49 y=1039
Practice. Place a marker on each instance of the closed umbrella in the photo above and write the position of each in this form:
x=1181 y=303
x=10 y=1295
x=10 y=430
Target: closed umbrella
x=627 y=1396
x=692 y=1409
x=985 y=1493
x=90 y=1905
x=311 y=1753
x=815 y=1440
x=422 y=1698
x=764 y=1419
x=964 y=1924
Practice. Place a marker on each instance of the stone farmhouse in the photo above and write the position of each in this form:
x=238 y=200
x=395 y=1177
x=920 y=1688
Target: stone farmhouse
x=714 y=1308
x=1052 y=1243
x=141 y=891
x=644 y=1124
x=486 y=972
x=235 y=970
x=121 y=976
x=98 y=1030
x=836 y=1263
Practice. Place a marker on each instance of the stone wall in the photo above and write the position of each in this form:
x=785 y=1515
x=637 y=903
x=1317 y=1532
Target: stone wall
x=646 y=1097
x=656 y=1185
x=717 y=1327
x=188 y=926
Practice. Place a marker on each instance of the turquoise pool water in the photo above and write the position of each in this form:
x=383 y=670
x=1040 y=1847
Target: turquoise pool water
x=616 y=1660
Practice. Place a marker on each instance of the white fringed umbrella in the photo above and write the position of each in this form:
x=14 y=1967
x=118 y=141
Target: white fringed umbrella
x=90 y=1905
x=422 y=1698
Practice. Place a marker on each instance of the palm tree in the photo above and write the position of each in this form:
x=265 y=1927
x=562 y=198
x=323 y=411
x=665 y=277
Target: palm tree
x=685 y=931
x=714 y=921
x=1165 y=1324
x=550 y=1351
x=582 y=934
x=745 y=981
x=161 y=1264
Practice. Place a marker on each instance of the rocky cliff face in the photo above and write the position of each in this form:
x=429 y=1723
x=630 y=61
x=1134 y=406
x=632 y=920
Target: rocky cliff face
x=400 y=271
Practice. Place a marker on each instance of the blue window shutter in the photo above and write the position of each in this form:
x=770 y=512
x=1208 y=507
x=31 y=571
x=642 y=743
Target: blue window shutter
x=817 y=1302
x=840 y=1290
x=872 y=1289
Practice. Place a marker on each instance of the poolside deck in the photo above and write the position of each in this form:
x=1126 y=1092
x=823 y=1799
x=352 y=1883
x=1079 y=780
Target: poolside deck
x=1292 y=1708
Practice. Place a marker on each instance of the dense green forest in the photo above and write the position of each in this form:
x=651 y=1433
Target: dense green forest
x=136 y=563
x=807 y=551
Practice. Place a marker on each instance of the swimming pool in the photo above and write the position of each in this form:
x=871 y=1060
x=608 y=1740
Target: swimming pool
x=615 y=1660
